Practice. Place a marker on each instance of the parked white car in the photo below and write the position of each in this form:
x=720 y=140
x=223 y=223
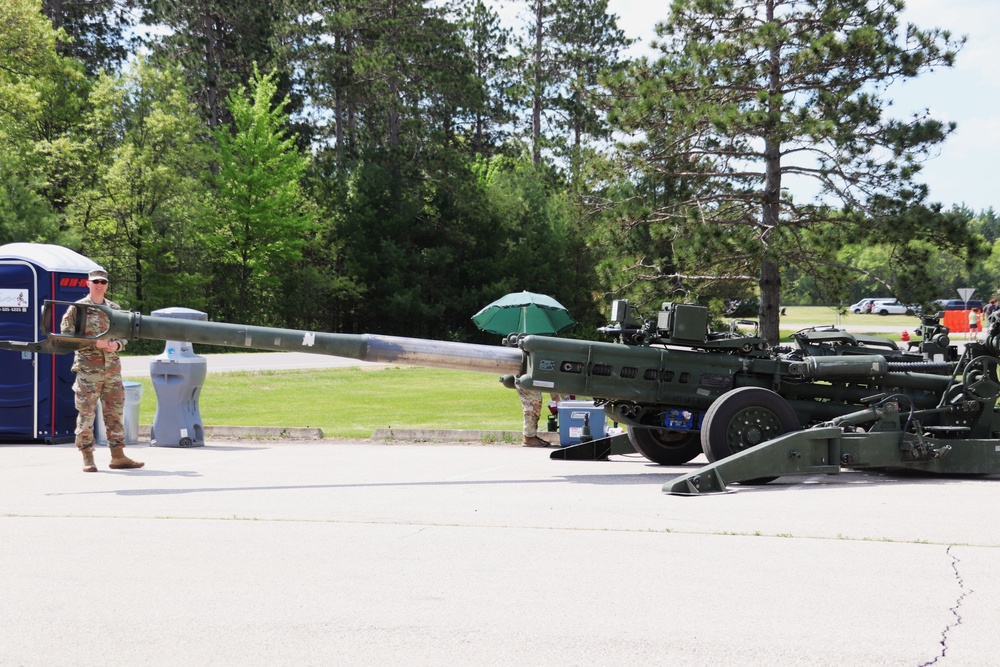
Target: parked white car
x=864 y=306
x=890 y=307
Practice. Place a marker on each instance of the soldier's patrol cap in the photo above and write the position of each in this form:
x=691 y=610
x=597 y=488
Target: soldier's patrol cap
x=97 y=273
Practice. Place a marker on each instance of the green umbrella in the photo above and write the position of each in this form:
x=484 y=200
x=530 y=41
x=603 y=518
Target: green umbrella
x=524 y=312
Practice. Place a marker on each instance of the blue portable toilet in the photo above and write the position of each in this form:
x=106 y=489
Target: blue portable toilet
x=36 y=390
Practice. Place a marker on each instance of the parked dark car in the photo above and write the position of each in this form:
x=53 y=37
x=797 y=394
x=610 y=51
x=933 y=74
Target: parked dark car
x=958 y=304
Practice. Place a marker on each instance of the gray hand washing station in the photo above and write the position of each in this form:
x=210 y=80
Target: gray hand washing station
x=178 y=375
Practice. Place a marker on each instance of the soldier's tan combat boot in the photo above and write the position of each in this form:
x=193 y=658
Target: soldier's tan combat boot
x=119 y=460
x=534 y=441
x=88 y=460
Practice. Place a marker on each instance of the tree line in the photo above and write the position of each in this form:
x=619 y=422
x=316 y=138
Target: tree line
x=394 y=165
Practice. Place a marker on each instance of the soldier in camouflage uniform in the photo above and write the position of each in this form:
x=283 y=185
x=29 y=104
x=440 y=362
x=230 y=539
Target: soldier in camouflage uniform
x=531 y=404
x=98 y=377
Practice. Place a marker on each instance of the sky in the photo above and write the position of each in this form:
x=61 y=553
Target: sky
x=964 y=170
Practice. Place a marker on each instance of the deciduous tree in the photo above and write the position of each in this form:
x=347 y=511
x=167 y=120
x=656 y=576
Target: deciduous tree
x=141 y=203
x=262 y=214
x=30 y=72
x=27 y=52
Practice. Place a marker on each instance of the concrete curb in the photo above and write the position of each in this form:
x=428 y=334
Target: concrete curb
x=386 y=435
x=458 y=435
x=253 y=432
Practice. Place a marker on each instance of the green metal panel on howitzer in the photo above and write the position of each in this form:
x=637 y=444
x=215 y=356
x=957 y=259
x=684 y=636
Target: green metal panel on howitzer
x=683 y=390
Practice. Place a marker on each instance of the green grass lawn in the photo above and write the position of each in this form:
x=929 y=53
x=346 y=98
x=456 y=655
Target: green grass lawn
x=799 y=317
x=353 y=402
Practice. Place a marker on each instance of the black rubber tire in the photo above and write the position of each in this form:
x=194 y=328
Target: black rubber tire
x=745 y=417
x=667 y=448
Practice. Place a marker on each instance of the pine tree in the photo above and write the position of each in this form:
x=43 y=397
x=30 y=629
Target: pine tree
x=566 y=45
x=754 y=104
x=218 y=42
x=487 y=43
x=98 y=30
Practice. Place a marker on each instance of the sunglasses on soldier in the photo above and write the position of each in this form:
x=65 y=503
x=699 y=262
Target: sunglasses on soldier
x=99 y=282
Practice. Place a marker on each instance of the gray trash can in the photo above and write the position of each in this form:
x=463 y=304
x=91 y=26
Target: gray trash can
x=130 y=416
x=178 y=375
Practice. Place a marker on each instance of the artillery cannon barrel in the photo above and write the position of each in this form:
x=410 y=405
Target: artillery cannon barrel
x=363 y=347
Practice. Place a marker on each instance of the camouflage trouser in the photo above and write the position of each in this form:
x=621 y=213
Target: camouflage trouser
x=108 y=388
x=531 y=404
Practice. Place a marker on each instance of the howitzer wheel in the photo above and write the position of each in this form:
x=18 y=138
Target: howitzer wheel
x=668 y=448
x=981 y=379
x=743 y=418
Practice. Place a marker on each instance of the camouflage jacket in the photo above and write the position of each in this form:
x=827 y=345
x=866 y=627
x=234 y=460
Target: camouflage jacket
x=90 y=359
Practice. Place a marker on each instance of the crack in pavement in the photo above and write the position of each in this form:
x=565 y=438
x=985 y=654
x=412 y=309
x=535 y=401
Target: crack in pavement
x=954 y=609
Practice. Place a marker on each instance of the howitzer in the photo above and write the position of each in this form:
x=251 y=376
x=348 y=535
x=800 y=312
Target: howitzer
x=683 y=390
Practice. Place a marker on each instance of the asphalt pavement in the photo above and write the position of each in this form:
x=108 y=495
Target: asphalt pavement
x=286 y=553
